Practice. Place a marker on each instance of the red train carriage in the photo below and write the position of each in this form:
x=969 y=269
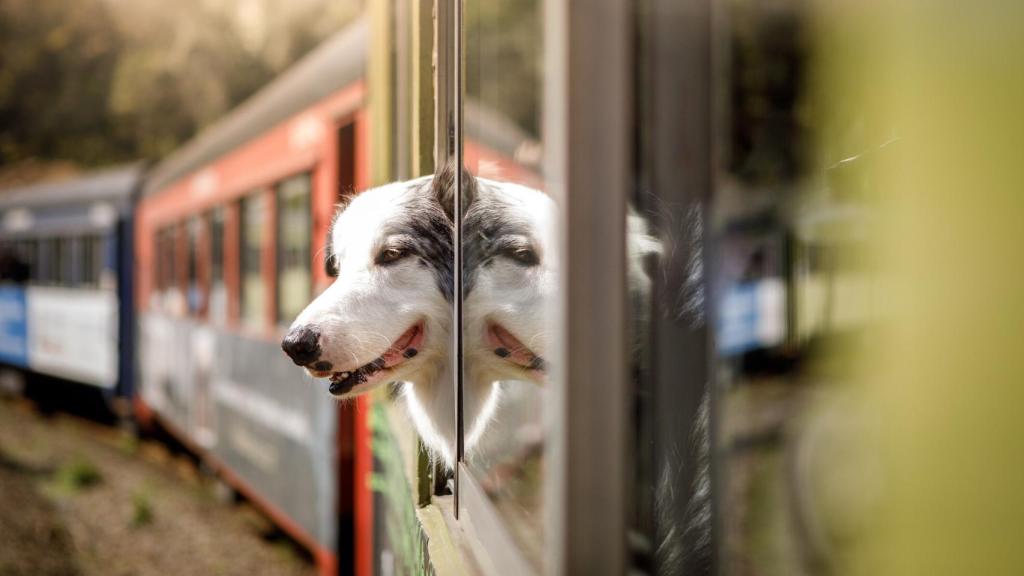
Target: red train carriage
x=229 y=229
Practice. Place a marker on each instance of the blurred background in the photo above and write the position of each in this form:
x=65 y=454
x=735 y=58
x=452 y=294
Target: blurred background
x=806 y=220
x=97 y=82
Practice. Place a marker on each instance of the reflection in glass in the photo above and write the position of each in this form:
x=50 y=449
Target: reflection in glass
x=670 y=522
x=791 y=286
x=510 y=263
x=218 y=288
x=194 y=291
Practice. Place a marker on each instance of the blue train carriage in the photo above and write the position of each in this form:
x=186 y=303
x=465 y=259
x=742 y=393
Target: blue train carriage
x=66 y=280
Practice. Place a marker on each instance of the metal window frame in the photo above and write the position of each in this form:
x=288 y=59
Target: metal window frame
x=587 y=166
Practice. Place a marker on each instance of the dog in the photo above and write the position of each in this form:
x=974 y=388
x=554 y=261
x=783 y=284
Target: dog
x=387 y=316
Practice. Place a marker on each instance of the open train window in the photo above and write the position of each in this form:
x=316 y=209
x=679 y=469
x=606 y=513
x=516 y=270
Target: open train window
x=253 y=293
x=294 y=222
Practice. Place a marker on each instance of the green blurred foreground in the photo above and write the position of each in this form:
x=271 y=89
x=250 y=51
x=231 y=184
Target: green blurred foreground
x=944 y=378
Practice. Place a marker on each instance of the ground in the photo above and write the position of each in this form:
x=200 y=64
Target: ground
x=79 y=497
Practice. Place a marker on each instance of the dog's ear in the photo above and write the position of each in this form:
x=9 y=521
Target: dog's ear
x=443 y=187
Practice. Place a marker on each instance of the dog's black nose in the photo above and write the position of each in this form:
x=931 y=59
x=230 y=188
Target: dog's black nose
x=302 y=345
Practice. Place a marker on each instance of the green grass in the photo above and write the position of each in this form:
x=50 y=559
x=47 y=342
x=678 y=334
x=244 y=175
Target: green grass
x=77 y=475
x=142 y=509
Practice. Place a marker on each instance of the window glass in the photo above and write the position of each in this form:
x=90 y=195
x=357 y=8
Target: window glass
x=27 y=255
x=790 y=217
x=670 y=507
x=218 y=290
x=161 y=260
x=64 y=262
x=169 y=293
x=294 y=226
x=195 y=292
x=44 y=251
x=253 y=289
x=14 y=264
x=510 y=265
x=91 y=260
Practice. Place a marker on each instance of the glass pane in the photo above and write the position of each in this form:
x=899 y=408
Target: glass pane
x=218 y=291
x=790 y=218
x=170 y=296
x=670 y=512
x=294 y=275
x=63 y=263
x=253 y=308
x=194 y=291
x=91 y=259
x=510 y=264
x=27 y=255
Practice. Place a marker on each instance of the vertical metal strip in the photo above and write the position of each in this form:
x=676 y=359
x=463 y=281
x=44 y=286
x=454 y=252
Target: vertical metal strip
x=588 y=164
x=457 y=239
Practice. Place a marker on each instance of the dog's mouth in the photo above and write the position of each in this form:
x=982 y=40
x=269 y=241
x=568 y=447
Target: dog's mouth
x=505 y=345
x=407 y=346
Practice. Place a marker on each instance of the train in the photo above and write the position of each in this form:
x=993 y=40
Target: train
x=67 y=265
x=168 y=286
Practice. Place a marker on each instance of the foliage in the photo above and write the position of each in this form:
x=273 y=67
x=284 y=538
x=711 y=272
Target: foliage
x=104 y=81
x=504 y=57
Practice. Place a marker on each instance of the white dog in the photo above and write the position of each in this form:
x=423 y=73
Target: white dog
x=388 y=315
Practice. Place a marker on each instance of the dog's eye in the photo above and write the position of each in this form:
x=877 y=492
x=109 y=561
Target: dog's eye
x=331 y=266
x=390 y=255
x=524 y=256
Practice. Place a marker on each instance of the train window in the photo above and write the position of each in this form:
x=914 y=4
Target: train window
x=41 y=273
x=167 y=269
x=27 y=254
x=13 y=267
x=91 y=259
x=63 y=262
x=294 y=225
x=252 y=212
x=161 y=261
x=195 y=291
x=511 y=272
x=217 y=289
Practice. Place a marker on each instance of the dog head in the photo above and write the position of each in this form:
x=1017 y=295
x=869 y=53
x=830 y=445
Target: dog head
x=387 y=315
x=510 y=279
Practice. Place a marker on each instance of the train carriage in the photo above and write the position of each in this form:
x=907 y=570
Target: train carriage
x=67 y=272
x=228 y=231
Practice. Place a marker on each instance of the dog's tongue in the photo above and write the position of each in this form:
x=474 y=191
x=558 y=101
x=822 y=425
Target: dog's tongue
x=404 y=348
x=508 y=346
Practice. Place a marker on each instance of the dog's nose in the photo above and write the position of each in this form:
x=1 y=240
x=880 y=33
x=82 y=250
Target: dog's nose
x=302 y=345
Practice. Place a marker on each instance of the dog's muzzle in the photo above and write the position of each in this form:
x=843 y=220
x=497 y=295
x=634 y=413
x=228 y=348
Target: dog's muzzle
x=302 y=345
